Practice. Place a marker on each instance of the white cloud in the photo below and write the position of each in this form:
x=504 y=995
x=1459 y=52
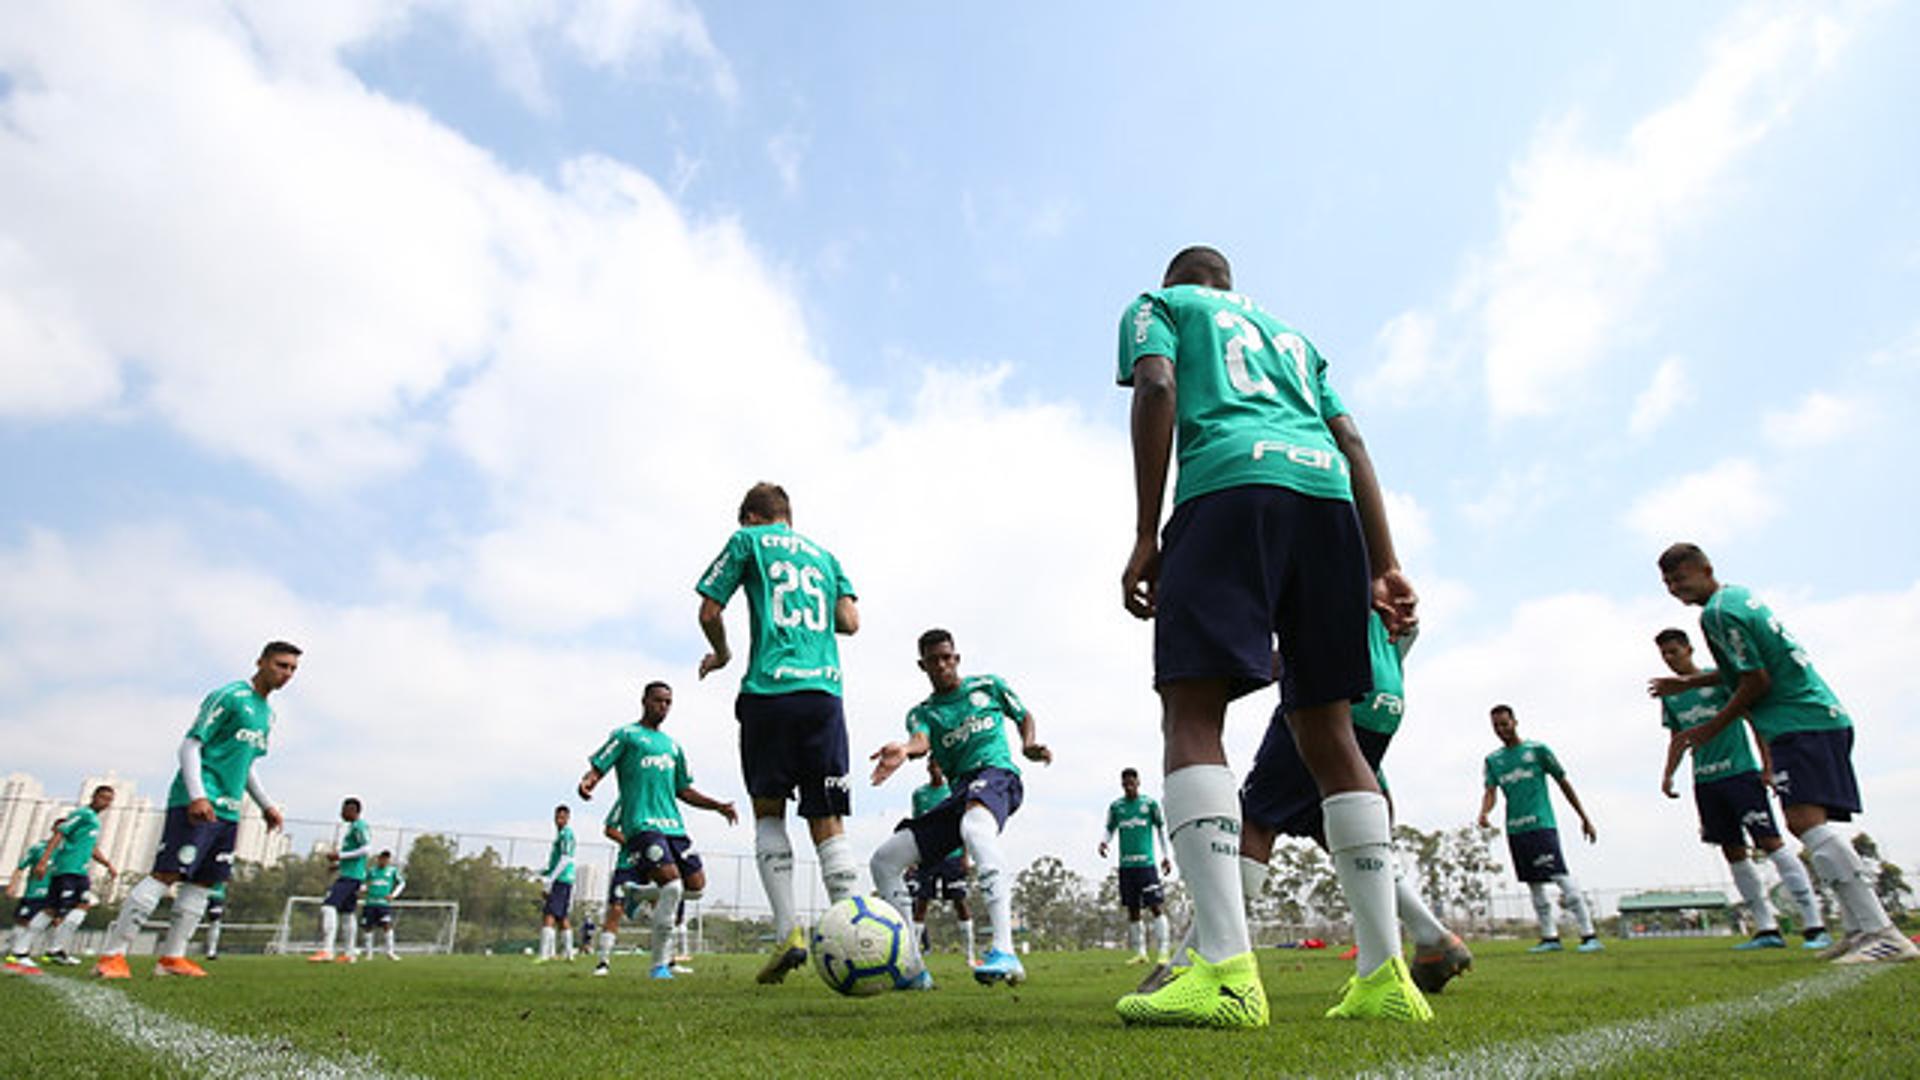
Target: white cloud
x=1904 y=353
x=1820 y=418
x=1515 y=494
x=1412 y=528
x=1669 y=389
x=1406 y=345
x=1706 y=507
x=787 y=151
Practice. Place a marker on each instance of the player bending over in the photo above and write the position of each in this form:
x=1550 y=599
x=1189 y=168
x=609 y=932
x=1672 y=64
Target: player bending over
x=385 y=883
x=73 y=845
x=963 y=725
x=943 y=880
x=556 y=891
x=30 y=885
x=1519 y=770
x=1808 y=734
x=1730 y=794
x=203 y=813
x=351 y=860
x=1136 y=819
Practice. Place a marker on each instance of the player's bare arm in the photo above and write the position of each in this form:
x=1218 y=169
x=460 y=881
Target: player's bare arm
x=1750 y=691
x=1154 y=409
x=588 y=781
x=1669 y=685
x=1676 y=749
x=846 y=616
x=713 y=623
x=1030 y=746
x=1586 y=824
x=1393 y=594
x=1486 y=805
x=693 y=797
x=890 y=757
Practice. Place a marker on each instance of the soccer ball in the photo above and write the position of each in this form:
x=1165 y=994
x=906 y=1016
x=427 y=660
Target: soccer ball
x=861 y=946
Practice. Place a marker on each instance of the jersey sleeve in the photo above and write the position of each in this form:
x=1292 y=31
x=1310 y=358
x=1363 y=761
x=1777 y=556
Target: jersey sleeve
x=842 y=586
x=916 y=724
x=682 y=776
x=1145 y=330
x=1153 y=814
x=71 y=824
x=1486 y=770
x=1010 y=700
x=1667 y=719
x=604 y=758
x=1734 y=627
x=1330 y=403
x=1113 y=816
x=1551 y=763
x=210 y=722
x=724 y=574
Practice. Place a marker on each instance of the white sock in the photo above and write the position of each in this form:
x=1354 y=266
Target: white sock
x=919 y=932
x=606 y=945
x=1361 y=841
x=966 y=935
x=63 y=934
x=565 y=934
x=1574 y=901
x=329 y=927
x=1794 y=877
x=1839 y=866
x=546 y=942
x=19 y=940
x=391 y=951
x=189 y=904
x=1202 y=806
x=981 y=835
x=213 y=938
x=1746 y=879
x=889 y=869
x=40 y=921
x=1137 y=937
x=1543 y=910
x=1160 y=935
x=1421 y=922
x=353 y=934
x=139 y=904
x=663 y=921
x=838 y=871
x=773 y=854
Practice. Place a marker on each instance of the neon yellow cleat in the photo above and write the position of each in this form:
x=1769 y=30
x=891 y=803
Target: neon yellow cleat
x=787 y=955
x=1223 y=995
x=1387 y=994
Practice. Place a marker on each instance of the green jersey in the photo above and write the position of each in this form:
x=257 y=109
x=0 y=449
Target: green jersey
x=232 y=728
x=80 y=831
x=1728 y=753
x=1521 y=773
x=1745 y=636
x=652 y=770
x=36 y=886
x=1253 y=399
x=928 y=796
x=623 y=859
x=793 y=587
x=358 y=838
x=966 y=726
x=560 y=856
x=1382 y=709
x=217 y=894
x=384 y=883
x=1135 y=820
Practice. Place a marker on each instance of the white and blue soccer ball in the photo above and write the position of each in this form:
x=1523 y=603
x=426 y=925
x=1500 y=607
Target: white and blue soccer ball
x=863 y=945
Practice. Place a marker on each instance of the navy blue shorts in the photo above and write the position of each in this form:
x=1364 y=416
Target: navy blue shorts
x=1280 y=793
x=1245 y=565
x=617 y=888
x=559 y=900
x=216 y=910
x=28 y=907
x=199 y=852
x=1815 y=768
x=344 y=896
x=68 y=891
x=1733 y=809
x=796 y=741
x=1140 y=888
x=375 y=915
x=937 y=831
x=1536 y=854
x=651 y=850
x=944 y=880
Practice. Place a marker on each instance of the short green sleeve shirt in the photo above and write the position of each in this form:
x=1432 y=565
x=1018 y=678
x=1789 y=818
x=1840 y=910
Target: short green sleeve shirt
x=382 y=883
x=232 y=727
x=1728 y=753
x=1521 y=774
x=652 y=771
x=81 y=829
x=966 y=726
x=1745 y=636
x=358 y=838
x=1381 y=710
x=561 y=855
x=1252 y=398
x=1135 y=820
x=36 y=886
x=793 y=586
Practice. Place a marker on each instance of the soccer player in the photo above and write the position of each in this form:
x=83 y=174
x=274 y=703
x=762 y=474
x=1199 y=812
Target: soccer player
x=793 y=728
x=73 y=846
x=943 y=880
x=557 y=890
x=1806 y=731
x=203 y=813
x=622 y=898
x=963 y=725
x=385 y=883
x=30 y=884
x=1730 y=793
x=652 y=772
x=1278 y=529
x=216 y=916
x=1519 y=770
x=1136 y=818
x=351 y=863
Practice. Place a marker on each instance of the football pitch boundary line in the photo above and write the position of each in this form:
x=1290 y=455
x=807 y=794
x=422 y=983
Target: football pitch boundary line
x=202 y=1050
x=1610 y=1045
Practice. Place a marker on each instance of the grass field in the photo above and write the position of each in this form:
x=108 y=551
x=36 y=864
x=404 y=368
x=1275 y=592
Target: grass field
x=1669 y=1008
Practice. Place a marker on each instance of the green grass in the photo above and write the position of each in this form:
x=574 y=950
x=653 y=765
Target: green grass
x=502 y=1016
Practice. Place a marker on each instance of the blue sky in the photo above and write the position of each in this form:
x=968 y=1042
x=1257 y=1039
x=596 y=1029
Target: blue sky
x=443 y=338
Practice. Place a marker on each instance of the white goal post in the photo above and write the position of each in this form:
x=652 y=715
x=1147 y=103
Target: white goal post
x=419 y=926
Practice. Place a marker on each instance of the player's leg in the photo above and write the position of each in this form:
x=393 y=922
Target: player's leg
x=1753 y=893
x=1162 y=932
x=216 y=918
x=610 y=923
x=825 y=793
x=68 y=926
x=547 y=932
x=964 y=916
x=1793 y=876
x=667 y=876
x=1723 y=805
x=1438 y=953
x=988 y=807
x=182 y=843
x=1814 y=775
x=350 y=904
x=190 y=900
x=890 y=868
x=1136 y=934
x=921 y=902
x=693 y=875
x=40 y=923
x=764 y=764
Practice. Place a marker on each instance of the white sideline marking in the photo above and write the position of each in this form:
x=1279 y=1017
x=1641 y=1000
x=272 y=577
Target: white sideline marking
x=1606 y=1047
x=204 y=1051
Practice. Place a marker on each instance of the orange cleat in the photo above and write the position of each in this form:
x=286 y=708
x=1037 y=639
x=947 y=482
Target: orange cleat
x=112 y=966
x=179 y=965
x=321 y=957
x=346 y=958
x=1352 y=953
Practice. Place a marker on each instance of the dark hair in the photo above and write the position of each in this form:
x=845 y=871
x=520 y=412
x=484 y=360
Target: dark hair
x=1498 y=709
x=1129 y=771
x=1199 y=265
x=563 y=808
x=384 y=855
x=766 y=500
x=655 y=685
x=934 y=637
x=101 y=788
x=1671 y=633
x=349 y=801
x=276 y=648
x=1680 y=555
